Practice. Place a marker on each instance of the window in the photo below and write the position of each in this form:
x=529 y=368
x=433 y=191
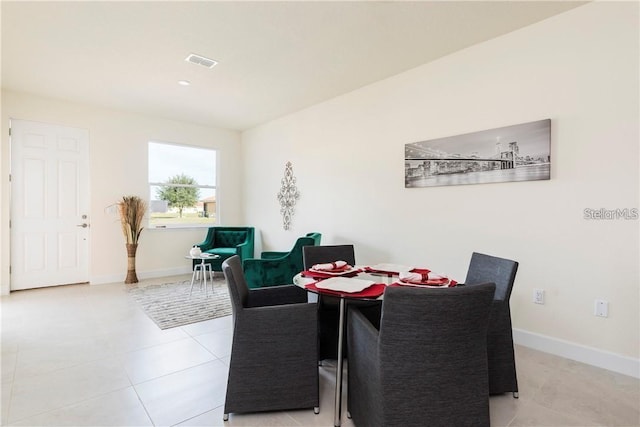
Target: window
x=182 y=186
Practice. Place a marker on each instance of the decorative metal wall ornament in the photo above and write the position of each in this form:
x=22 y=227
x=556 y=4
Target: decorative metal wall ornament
x=288 y=195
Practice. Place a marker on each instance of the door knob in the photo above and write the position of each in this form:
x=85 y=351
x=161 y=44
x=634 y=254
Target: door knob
x=85 y=225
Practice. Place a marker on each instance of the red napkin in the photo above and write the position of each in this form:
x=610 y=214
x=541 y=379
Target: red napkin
x=331 y=266
x=414 y=277
x=373 y=291
x=430 y=280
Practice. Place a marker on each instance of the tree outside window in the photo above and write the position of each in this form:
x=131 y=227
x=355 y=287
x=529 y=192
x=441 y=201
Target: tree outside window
x=182 y=183
x=182 y=194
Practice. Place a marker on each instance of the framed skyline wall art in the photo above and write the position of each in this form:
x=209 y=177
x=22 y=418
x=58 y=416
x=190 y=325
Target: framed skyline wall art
x=512 y=153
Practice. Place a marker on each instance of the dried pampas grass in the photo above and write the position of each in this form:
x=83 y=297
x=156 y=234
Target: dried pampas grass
x=132 y=210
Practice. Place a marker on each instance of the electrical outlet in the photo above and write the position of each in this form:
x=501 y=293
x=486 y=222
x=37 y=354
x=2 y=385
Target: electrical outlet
x=601 y=308
x=538 y=296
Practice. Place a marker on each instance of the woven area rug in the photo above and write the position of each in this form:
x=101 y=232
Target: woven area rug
x=169 y=305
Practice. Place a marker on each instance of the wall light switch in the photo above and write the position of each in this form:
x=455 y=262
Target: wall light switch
x=601 y=308
x=538 y=296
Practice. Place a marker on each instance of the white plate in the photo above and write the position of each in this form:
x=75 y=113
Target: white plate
x=344 y=284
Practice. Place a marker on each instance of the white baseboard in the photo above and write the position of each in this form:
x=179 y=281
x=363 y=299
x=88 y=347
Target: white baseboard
x=101 y=280
x=581 y=353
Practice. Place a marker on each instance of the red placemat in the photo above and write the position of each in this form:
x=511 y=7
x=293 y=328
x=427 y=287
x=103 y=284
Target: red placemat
x=320 y=275
x=395 y=273
x=428 y=284
x=375 y=271
x=373 y=291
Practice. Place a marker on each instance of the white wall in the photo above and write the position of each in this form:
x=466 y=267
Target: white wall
x=118 y=156
x=580 y=69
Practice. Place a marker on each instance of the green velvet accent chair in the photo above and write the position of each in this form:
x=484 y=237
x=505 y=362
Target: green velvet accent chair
x=278 y=268
x=227 y=242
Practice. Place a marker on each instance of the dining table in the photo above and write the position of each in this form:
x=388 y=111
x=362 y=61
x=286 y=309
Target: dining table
x=364 y=283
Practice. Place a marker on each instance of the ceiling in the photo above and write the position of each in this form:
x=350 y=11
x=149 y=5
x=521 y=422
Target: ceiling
x=275 y=58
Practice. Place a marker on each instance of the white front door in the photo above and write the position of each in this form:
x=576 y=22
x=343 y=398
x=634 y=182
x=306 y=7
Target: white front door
x=49 y=205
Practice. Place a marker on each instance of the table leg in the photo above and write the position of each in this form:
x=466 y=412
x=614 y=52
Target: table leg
x=338 y=402
x=204 y=275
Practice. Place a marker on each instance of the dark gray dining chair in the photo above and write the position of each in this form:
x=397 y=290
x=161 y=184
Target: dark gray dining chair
x=500 y=352
x=328 y=307
x=328 y=311
x=427 y=364
x=274 y=352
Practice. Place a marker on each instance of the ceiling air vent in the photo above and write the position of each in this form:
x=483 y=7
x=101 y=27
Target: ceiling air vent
x=201 y=60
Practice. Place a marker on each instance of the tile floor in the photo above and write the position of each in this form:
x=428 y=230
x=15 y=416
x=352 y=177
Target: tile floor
x=85 y=355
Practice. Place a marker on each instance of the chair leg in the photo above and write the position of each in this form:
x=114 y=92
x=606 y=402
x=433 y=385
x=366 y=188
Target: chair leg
x=515 y=395
x=225 y=417
x=316 y=410
x=348 y=414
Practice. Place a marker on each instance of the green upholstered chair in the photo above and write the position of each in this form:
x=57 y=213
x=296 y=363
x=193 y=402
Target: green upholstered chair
x=278 y=268
x=227 y=242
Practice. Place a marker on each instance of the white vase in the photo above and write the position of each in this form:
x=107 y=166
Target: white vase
x=195 y=251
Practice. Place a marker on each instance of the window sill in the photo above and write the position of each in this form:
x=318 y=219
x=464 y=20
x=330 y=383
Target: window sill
x=179 y=227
